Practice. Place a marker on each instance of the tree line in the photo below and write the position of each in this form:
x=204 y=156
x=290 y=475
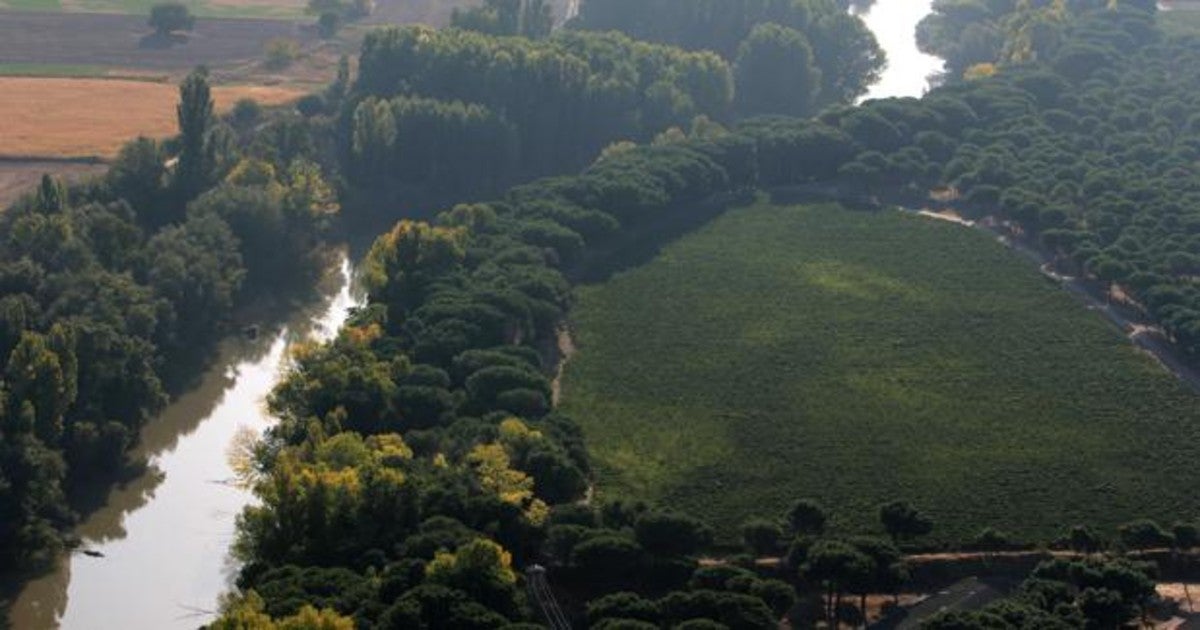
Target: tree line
x=475 y=109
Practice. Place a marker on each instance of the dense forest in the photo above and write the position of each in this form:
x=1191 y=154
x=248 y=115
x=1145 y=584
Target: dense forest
x=419 y=468
x=420 y=465
x=108 y=288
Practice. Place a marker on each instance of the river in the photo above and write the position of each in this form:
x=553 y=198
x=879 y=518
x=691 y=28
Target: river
x=894 y=23
x=164 y=536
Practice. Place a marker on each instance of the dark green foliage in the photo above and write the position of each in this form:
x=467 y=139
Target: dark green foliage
x=667 y=534
x=762 y=537
x=902 y=521
x=107 y=285
x=195 y=170
x=775 y=73
x=434 y=110
x=168 y=17
x=527 y=18
x=734 y=610
x=1186 y=535
x=1082 y=538
x=622 y=606
x=1144 y=534
x=846 y=56
x=807 y=517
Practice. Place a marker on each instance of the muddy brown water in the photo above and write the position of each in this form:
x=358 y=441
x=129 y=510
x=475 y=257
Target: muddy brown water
x=164 y=538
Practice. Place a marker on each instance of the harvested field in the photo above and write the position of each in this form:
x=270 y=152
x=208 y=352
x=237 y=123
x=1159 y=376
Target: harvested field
x=123 y=41
x=17 y=178
x=56 y=117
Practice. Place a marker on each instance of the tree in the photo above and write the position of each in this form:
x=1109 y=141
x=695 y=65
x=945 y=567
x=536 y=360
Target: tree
x=526 y=18
x=51 y=195
x=1186 y=535
x=775 y=73
x=622 y=605
x=807 y=517
x=903 y=522
x=138 y=176
x=281 y=52
x=1144 y=534
x=668 y=534
x=1084 y=540
x=194 y=172
x=838 y=567
x=328 y=23
x=168 y=17
x=482 y=569
x=762 y=537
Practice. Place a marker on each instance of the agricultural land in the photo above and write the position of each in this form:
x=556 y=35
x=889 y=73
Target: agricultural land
x=858 y=357
x=41 y=117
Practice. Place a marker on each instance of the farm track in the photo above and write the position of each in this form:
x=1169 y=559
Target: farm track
x=123 y=41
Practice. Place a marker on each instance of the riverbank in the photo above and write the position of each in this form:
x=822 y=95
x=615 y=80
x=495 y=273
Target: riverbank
x=166 y=533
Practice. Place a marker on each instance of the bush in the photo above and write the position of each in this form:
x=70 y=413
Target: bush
x=311 y=105
x=246 y=114
x=169 y=17
x=668 y=534
x=328 y=24
x=761 y=536
x=281 y=52
x=1144 y=534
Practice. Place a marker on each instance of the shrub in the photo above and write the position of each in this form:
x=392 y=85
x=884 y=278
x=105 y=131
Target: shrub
x=169 y=17
x=328 y=24
x=281 y=52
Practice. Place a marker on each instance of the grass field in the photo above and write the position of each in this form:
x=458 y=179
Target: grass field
x=59 y=117
x=852 y=357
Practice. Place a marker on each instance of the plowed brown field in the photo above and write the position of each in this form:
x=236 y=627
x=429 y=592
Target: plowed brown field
x=54 y=117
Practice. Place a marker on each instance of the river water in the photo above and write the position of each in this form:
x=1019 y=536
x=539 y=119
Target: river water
x=894 y=23
x=165 y=535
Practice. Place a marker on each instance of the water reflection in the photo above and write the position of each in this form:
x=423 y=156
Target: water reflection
x=164 y=535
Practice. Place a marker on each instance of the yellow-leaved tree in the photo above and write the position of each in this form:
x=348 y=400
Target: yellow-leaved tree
x=494 y=470
x=246 y=613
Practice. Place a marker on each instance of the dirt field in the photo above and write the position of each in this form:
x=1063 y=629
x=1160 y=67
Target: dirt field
x=17 y=178
x=121 y=41
x=56 y=117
